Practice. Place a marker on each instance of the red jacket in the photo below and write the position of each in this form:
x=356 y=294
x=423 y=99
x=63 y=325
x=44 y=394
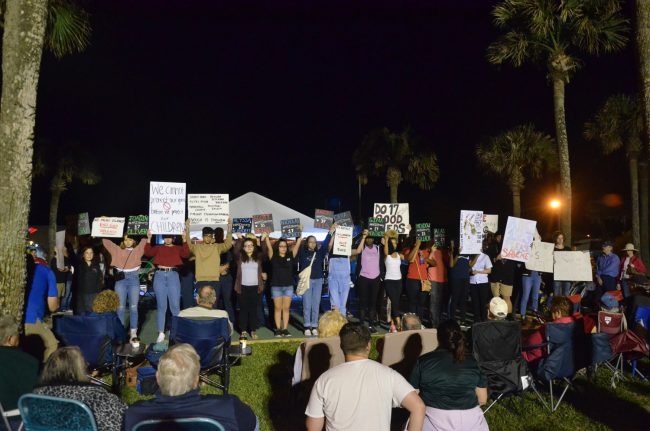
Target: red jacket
x=634 y=260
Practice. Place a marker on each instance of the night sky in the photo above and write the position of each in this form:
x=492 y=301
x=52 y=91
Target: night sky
x=273 y=97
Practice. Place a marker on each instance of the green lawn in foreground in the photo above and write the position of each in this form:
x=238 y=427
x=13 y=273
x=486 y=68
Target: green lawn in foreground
x=262 y=382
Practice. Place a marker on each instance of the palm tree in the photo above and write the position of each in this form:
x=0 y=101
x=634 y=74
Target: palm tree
x=398 y=156
x=515 y=153
x=26 y=25
x=643 y=43
x=66 y=164
x=619 y=124
x=554 y=32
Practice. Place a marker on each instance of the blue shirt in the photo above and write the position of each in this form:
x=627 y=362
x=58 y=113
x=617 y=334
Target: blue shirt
x=43 y=286
x=608 y=264
x=304 y=258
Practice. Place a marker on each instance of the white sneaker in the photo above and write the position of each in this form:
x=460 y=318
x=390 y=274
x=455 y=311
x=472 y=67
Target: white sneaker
x=314 y=332
x=161 y=337
x=134 y=333
x=307 y=332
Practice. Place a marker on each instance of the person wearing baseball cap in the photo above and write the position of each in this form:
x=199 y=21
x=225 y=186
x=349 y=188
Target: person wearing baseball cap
x=609 y=303
x=498 y=309
x=632 y=268
x=607 y=268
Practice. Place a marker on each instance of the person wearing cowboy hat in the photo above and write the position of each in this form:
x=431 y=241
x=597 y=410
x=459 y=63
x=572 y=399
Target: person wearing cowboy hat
x=632 y=268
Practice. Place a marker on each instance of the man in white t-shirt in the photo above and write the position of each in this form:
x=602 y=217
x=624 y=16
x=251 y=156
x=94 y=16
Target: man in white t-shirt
x=359 y=394
x=206 y=297
x=479 y=287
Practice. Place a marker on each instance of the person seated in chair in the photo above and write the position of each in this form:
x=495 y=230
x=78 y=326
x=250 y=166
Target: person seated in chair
x=64 y=376
x=560 y=313
x=106 y=304
x=206 y=297
x=178 y=380
x=411 y=322
x=497 y=309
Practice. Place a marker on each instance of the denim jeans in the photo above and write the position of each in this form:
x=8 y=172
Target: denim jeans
x=167 y=286
x=561 y=288
x=67 y=296
x=530 y=285
x=339 y=283
x=625 y=287
x=129 y=288
x=311 y=303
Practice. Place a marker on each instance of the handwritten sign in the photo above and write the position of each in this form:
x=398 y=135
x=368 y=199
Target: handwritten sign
x=242 y=225
x=440 y=237
x=376 y=227
x=572 y=266
x=108 y=227
x=471 y=232
x=323 y=219
x=83 y=224
x=518 y=239
x=423 y=231
x=342 y=241
x=490 y=223
x=396 y=216
x=541 y=257
x=263 y=223
x=167 y=207
x=290 y=227
x=343 y=219
x=137 y=225
x=208 y=208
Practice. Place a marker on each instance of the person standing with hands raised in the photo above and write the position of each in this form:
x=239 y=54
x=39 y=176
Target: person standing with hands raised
x=249 y=283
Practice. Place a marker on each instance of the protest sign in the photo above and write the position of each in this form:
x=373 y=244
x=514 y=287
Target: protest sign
x=572 y=266
x=376 y=227
x=108 y=227
x=490 y=223
x=290 y=228
x=343 y=219
x=208 y=209
x=83 y=224
x=396 y=216
x=138 y=225
x=167 y=208
x=440 y=237
x=263 y=223
x=343 y=241
x=60 y=245
x=323 y=219
x=242 y=225
x=518 y=239
x=541 y=257
x=471 y=232
x=423 y=231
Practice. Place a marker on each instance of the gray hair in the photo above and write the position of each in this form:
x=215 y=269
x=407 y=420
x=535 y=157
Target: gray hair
x=206 y=295
x=8 y=328
x=178 y=370
x=411 y=322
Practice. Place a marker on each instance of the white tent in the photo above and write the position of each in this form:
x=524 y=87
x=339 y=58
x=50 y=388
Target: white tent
x=251 y=203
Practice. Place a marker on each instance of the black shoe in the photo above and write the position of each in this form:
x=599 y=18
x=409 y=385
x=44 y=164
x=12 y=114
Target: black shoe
x=278 y=333
x=372 y=329
x=286 y=333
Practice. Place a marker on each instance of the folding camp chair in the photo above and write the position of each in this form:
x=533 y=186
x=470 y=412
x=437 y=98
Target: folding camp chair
x=6 y=415
x=609 y=324
x=186 y=424
x=44 y=413
x=496 y=346
x=559 y=363
x=210 y=338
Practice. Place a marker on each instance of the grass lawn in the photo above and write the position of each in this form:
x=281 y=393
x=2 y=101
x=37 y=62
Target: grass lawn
x=262 y=382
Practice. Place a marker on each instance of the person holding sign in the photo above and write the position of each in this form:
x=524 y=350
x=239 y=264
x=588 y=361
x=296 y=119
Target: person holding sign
x=416 y=277
x=282 y=264
x=125 y=259
x=393 y=277
x=560 y=288
x=370 y=267
x=166 y=282
x=312 y=255
x=459 y=269
x=338 y=279
x=249 y=283
x=225 y=278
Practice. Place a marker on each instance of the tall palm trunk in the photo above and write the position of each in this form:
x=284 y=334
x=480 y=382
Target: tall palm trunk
x=643 y=43
x=54 y=210
x=393 y=178
x=516 y=201
x=563 y=152
x=634 y=189
x=643 y=198
x=22 y=47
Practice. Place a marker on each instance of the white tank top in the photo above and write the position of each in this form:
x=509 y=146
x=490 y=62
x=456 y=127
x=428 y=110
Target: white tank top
x=393 y=265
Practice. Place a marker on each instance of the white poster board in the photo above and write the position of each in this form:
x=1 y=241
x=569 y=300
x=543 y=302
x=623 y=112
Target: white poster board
x=541 y=257
x=572 y=266
x=396 y=216
x=208 y=209
x=471 y=232
x=83 y=224
x=491 y=223
x=166 y=208
x=108 y=227
x=59 y=245
x=343 y=241
x=518 y=239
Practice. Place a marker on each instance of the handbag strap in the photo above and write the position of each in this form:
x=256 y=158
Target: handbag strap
x=127 y=258
x=418 y=266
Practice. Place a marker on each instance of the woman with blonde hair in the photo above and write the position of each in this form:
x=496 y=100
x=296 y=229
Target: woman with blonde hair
x=64 y=376
x=106 y=304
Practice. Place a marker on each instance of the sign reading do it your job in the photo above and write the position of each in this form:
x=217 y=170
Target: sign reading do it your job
x=396 y=216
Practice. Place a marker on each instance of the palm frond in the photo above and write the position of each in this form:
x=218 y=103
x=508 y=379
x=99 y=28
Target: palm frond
x=617 y=124
x=68 y=30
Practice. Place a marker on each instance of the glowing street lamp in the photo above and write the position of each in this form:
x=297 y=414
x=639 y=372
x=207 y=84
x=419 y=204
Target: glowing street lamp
x=555 y=204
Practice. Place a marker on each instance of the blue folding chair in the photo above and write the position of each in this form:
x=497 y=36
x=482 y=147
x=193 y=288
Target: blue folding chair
x=210 y=338
x=185 y=424
x=559 y=364
x=44 y=413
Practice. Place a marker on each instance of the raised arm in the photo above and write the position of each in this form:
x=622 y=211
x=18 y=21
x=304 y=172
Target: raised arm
x=386 y=241
x=227 y=241
x=269 y=248
x=432 y=260
x=149 y=250
x=296 y=247
x=187 y=238
x=362 y=244
x=109 y=245
x=414 y=251
x=331 y=244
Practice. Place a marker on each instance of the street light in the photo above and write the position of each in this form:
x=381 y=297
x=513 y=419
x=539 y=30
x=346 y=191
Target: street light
x=555 y=204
